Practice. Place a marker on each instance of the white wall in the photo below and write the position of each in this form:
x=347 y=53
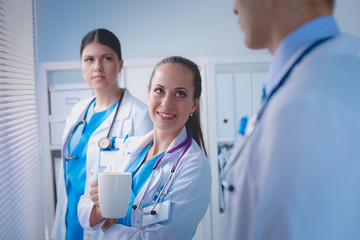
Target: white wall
x=347 y=13
x=154 y=28
x=146 y=28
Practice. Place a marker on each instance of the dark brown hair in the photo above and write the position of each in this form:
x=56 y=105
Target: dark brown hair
x=104 y=37
x=330 y=3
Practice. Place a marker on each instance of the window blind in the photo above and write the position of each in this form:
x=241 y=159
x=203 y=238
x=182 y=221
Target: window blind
x=21 y=187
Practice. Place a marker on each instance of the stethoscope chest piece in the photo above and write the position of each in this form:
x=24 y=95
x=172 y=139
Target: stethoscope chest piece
x=104 y=143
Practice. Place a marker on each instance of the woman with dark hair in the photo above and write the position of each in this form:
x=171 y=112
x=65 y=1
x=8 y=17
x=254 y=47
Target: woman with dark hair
x=94 y=129
x=193 y=122
x=170 y=172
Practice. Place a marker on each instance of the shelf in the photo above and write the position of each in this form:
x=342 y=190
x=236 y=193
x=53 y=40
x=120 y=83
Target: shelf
x=225 y=140
x=55 y=147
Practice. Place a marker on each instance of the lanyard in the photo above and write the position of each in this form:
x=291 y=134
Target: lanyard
x=258 y=116
x=185 y=143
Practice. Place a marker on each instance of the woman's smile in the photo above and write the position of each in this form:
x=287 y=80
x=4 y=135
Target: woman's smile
x=166 y=116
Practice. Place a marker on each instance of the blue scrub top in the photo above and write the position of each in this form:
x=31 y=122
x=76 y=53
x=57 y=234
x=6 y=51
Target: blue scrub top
x=75 y=172
x=140 y=175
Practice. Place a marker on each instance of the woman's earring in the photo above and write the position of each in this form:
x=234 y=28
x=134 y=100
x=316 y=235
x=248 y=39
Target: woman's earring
x=191 y=114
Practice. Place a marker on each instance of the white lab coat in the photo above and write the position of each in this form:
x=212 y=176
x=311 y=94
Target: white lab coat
x=132 y=119
x=189 y=190
x=298 y=176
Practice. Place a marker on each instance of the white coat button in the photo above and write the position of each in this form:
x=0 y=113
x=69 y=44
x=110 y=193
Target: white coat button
x=88 y=234
x=91 y=173
x=137 y=221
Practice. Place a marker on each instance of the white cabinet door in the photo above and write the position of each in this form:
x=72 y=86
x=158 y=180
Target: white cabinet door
x=225 y=105
x=63 y=97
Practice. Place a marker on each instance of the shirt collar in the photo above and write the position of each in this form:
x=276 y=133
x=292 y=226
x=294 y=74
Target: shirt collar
x=308 y=33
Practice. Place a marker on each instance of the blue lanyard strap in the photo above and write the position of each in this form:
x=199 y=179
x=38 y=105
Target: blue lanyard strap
x=286 y=76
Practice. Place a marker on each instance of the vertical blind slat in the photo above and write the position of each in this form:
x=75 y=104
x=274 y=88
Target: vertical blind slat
x=13 y=54
x=22 y=213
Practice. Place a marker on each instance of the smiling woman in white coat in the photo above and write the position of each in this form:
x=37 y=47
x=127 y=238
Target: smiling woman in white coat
x=93 y=129
x=169 y=169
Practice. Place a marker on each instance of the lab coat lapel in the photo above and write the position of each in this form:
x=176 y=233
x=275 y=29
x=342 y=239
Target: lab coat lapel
x=125 y=106
x=131 y=149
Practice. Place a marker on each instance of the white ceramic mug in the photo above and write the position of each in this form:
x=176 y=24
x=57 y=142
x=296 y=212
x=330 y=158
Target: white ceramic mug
x=114 y=193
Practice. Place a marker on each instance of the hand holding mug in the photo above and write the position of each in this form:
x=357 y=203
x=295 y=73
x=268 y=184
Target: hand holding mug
x=94 y=193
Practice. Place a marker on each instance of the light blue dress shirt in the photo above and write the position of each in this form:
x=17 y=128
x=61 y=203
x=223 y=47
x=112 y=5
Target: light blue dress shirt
x=308 y=33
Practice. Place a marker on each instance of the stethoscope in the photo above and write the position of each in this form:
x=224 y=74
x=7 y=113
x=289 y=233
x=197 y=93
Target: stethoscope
x=104 y=143
x=256 y=118
x=152 y=211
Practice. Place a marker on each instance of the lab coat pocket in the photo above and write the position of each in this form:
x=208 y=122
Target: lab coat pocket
x=162 y=209
x=107 y=157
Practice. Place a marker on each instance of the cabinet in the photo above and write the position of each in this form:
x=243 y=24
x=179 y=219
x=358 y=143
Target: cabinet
x=62 y=98
x=237 y=95
x=234 y=90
